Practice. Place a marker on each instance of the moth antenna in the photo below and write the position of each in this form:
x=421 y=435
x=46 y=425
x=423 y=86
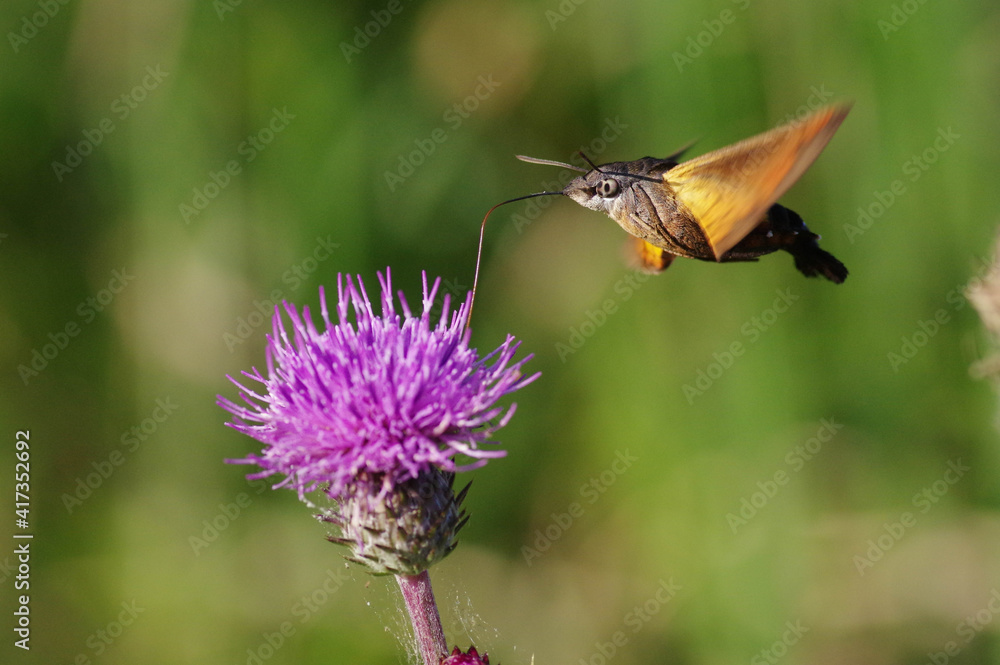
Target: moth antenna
x=634 y=175
x=550 y=162
x=482 y=232
x=587 y=159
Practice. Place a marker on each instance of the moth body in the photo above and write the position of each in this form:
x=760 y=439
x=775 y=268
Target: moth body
x=720 y=206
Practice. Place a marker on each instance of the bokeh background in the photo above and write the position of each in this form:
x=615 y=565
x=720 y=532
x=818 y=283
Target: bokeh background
x=169 y=169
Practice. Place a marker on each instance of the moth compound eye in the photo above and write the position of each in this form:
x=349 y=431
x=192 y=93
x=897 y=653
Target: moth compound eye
x=608 y=188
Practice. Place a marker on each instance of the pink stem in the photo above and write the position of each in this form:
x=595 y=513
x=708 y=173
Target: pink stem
x=423 y=612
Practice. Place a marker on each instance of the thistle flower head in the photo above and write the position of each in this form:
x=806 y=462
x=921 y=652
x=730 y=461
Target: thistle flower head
x=380 y=397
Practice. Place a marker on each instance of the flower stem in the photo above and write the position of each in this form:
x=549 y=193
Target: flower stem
x=424 y=615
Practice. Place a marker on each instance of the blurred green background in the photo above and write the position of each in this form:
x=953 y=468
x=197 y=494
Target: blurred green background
x=169 y=169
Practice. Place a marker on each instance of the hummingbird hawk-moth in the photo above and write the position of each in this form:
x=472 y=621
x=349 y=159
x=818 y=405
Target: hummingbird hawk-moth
x=721 y=206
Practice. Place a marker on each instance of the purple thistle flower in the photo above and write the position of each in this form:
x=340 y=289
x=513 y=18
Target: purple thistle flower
x=384 y=397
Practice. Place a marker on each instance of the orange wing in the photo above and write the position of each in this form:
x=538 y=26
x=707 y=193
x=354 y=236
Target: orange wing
x=729 y=190
x=646 y=257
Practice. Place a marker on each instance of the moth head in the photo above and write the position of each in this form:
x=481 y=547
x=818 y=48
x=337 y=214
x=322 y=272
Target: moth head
x=607 y=188
x=596 y=190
